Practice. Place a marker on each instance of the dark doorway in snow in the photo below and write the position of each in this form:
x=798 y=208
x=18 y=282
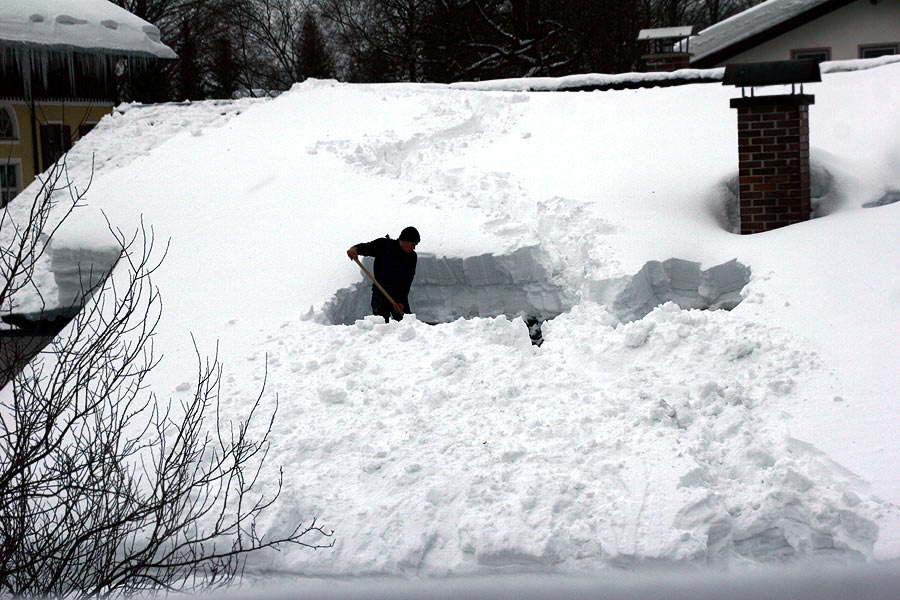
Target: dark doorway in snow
x=534 y=331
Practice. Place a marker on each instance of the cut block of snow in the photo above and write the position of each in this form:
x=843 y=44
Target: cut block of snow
x=79 y=271
x=682 y=282
x=447 y=288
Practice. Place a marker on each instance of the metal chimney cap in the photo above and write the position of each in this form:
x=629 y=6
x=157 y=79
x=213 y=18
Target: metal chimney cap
x=776 y=72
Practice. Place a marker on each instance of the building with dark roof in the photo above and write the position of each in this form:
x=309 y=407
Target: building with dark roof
x=58 y=65
x=786 y=29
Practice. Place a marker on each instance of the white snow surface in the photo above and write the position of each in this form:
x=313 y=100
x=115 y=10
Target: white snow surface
x=545 y=84
x=724 y=438
x=97 y=25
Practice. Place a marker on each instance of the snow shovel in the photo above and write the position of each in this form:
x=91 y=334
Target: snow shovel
x=378 y=285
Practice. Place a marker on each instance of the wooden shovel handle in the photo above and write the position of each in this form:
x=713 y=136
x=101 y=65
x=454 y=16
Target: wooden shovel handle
x=378 y=285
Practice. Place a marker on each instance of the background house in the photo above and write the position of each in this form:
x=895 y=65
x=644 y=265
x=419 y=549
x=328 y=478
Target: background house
x=59 y=60
x=785 y=29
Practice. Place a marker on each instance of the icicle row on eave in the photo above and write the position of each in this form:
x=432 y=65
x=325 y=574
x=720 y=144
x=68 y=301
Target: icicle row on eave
x=28 y=61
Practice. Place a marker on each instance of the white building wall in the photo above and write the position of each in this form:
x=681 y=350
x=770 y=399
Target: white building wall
x=844 y=31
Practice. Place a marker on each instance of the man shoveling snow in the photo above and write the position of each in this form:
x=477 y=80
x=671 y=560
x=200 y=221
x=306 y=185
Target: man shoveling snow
x=395 y=268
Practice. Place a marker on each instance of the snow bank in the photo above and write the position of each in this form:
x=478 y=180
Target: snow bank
x=470 y=450
x=77 y=272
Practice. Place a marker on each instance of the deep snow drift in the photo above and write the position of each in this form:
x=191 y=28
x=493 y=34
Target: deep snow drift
x=637 y=433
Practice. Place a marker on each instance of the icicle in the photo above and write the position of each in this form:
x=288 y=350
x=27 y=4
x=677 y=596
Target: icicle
x=44 y=58
x=36 y=63
x=23 y=61
x=70 y=63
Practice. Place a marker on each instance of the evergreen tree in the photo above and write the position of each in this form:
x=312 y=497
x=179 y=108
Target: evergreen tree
x=189 y=76
x=224 y=67
x=313 y=56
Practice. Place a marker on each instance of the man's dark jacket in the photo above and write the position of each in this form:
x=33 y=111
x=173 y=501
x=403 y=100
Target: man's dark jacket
x=394 y=270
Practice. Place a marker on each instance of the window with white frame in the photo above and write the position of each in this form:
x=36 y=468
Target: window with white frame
x=10 y=181
x=876 y=50
x=7 y=124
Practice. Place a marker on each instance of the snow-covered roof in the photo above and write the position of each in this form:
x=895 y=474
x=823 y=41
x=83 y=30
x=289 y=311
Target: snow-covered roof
x=748 y=23
x=662 y=33
x=684 y=438
x=89 y=25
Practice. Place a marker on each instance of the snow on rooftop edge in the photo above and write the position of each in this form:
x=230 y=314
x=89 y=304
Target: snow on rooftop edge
x=97 y=25
x=535 y=84
x=587 y=80
x=747 y=23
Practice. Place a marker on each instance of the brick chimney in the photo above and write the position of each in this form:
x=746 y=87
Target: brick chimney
x=668 y=48
x=773 y=143
x=773 y=160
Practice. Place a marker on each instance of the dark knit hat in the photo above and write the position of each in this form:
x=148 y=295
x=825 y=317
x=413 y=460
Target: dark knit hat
x=410 y=234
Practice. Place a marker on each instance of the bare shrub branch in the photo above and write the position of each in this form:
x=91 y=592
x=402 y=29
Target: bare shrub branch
x=105 y=488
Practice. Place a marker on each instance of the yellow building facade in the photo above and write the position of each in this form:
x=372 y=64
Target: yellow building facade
x=60 y=69
x=31 y=140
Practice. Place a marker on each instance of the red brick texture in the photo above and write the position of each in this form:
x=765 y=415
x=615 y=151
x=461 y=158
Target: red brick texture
x=773 y=161
x=666 y=62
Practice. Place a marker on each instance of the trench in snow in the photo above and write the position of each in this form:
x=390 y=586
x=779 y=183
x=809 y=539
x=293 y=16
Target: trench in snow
x=518 y=285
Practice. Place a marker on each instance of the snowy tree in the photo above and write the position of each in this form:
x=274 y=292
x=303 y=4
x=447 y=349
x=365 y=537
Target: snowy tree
x=382 y=38
x=272 y=49
x=225 y=67
x=188 y=72
x=271 y=44
x=479 y=39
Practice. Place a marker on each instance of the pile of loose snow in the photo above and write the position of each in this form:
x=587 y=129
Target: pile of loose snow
x=469 y=449
x=716 y=437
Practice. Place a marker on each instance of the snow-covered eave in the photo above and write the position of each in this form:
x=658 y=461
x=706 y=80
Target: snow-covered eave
x=621 y=81
x=754 y=26
x=595 y=81
x=19 y=45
